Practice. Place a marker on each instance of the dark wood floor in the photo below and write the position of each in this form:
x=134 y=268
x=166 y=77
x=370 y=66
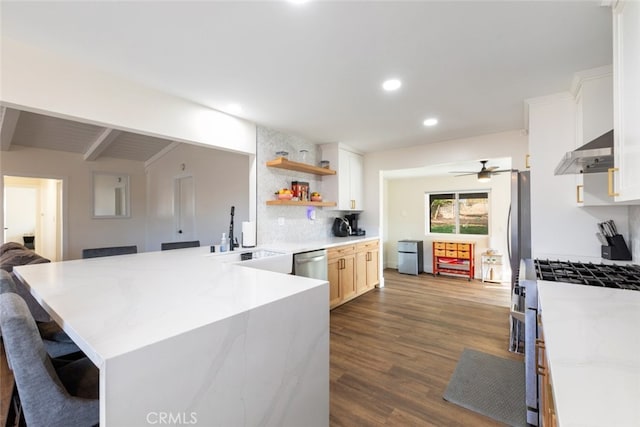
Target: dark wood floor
x=394 y=349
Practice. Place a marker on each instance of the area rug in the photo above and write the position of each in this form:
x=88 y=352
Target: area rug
x=489 y=385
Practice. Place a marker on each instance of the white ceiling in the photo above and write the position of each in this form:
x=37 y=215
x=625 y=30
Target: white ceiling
x=315 y=69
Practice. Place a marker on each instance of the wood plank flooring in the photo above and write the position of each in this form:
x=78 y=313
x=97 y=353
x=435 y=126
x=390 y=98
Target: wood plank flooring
x=394 y=349
x=6 y=386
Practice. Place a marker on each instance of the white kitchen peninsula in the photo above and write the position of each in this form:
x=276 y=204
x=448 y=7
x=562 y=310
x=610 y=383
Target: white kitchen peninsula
x=181 y=335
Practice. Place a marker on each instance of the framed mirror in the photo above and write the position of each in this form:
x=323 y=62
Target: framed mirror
x=110 y=195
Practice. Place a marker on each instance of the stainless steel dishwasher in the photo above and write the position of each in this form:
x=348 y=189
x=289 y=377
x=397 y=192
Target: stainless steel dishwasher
x=311 y=264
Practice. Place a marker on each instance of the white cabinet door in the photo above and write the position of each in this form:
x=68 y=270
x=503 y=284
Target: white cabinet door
x=346 y=187
x=626 y=80
x=356 y=187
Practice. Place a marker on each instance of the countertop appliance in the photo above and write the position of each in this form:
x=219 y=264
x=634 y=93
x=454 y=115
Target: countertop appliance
x=353 y=223
x=341 y=227
x=410 y=257
x=604 y=275
x=518 y=247
x=311 y=264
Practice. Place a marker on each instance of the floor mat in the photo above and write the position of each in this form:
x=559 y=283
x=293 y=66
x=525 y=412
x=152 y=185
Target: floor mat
x=489 y=385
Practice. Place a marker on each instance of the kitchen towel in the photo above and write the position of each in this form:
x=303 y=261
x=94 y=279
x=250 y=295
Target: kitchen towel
x=248 y=234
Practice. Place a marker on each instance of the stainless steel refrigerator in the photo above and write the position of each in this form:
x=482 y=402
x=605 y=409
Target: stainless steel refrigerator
x=518 y=247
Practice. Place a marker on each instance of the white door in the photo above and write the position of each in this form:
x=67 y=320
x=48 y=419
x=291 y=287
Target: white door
x=21 y=213
x=185 y=209
x=33 y=214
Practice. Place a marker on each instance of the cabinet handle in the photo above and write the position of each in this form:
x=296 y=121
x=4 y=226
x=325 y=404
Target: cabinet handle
x=610 y=172
x=353 y=204
x=539 y=347
x=526 y=161
x=578 y=188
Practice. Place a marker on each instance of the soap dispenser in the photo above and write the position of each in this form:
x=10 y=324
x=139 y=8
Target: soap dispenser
x=223 y=243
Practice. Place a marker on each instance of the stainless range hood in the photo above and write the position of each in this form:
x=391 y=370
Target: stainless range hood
x=593 y=157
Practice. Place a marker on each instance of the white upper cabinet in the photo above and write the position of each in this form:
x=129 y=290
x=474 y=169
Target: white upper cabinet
x=593 y=90
x=346 y=187
x=626 y=100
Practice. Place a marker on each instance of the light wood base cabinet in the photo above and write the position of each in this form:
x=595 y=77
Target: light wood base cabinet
x=547 y=405
x=342 y=274
x=353 y=270
x=367 y=271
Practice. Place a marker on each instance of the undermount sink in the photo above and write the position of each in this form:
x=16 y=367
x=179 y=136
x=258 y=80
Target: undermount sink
x=262 y=259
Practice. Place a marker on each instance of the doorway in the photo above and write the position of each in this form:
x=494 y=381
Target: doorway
x=33 y=214
x=185 y=209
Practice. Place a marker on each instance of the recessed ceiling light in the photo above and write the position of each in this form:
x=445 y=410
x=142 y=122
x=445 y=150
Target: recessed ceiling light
x=430 y=122
x=298 y=1
x=234 y=108
x=391 y=84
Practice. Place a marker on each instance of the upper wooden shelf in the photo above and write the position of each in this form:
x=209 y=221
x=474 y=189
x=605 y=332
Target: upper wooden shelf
x=282 y=163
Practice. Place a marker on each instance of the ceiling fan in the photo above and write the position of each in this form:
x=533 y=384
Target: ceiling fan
x=485 y=173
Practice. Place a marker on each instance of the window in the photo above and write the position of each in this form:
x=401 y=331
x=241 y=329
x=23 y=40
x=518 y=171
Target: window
x=458 y=213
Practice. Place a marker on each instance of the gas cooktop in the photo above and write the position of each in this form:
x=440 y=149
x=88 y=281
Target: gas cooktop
x=605 y=275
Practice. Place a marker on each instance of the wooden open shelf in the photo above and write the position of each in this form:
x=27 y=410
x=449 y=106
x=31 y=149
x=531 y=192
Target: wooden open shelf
x=299 y=203
x=282 y=163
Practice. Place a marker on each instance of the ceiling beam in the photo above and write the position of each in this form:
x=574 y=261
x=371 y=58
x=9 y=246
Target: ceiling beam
x=161 y=153
x=101 y=143
x=8 y=122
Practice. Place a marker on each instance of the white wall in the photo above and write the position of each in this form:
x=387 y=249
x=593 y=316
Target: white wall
x=221 y=180
x=39 y=81
x=512 y=144
x=407 y=214
x=561 y=229
x=80 y=230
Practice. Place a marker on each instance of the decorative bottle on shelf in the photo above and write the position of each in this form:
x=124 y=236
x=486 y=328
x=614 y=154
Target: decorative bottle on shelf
x=223 y=243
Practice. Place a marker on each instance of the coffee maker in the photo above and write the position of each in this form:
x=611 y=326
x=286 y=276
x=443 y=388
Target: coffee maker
x=353 y=223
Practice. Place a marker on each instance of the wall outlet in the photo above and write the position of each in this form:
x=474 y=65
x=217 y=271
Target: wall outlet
x=280 y=220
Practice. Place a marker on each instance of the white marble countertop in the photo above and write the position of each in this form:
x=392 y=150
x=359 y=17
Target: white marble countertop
x=592 y=340
x=297 y=247
x=114 y=305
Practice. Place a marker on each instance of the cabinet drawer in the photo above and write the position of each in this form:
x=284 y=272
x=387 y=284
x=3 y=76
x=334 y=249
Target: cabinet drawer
x=452 y=254
x=452 y=246
x=368 y=246
x=439 y=252
x=340 y=251
x=464 y=247
x=439 y=245
x=464 y=254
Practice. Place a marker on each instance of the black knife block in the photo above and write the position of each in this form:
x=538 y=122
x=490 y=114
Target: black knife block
x=617 y=249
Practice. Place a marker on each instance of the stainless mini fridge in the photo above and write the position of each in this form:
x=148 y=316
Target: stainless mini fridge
x=410 y=257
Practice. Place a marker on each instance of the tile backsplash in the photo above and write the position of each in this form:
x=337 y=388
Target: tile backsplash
x=634 y=231
x=287 y=223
